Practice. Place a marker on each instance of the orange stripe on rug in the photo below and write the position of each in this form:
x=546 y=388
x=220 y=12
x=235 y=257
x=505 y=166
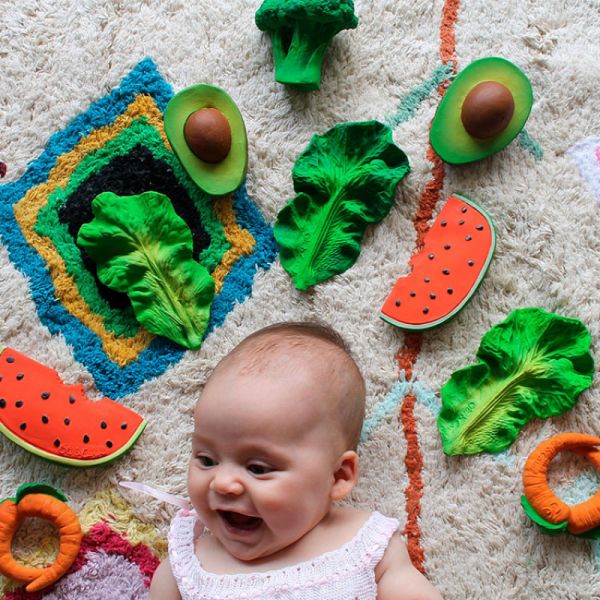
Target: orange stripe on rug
x=407 y=356
x=448 y=32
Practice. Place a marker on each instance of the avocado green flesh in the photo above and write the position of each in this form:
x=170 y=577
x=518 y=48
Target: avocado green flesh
x=74 y=462
x=216 y=179
x=448 y=136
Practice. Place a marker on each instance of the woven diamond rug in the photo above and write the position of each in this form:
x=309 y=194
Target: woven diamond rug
x=83 y=89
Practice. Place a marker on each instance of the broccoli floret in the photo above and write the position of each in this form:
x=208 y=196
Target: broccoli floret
x=300 y=32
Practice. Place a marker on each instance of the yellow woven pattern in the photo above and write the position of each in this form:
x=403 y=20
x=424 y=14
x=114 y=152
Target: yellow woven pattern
x=111 y=507
x=241 y=240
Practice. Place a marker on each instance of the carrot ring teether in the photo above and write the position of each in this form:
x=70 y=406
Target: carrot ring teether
x=44 y=502
x=542 y=505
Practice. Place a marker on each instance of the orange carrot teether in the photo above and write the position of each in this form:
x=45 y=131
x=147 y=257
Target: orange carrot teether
x=543 y=506
x=44 y=502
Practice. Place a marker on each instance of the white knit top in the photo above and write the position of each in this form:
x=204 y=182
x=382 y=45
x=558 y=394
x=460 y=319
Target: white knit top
x=347 y=573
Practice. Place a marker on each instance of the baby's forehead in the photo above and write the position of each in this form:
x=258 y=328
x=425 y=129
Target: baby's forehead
x=286 y=353
x=281 y=408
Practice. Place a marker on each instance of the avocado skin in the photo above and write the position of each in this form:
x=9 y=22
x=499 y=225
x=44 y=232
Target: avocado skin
x=447 y=135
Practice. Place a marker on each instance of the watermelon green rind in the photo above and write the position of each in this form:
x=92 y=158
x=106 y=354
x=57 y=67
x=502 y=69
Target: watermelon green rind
x=474 y=287
x=74 y=462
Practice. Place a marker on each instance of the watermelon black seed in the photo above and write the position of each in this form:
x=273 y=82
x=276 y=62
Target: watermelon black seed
x=479 y=227
x=124 y=425
x=471 y=263
x=44 y=419
x=431 y=256
x=468 y=238
x=461 y=222
x=23 y=426
x=19 y=403
x=463 y=209
x=103 y=425
x=0 y=377
x=86 y=439
x=450 y=291
x=397 y=304
x=45 y=395
x=20 y=376
x=109 y=444
x=10 y=359
x=444 y=223
x=425 y=310
x=447 y=247
x=56 y=443
x=426 y=280
x=413 y=294
x=67 y=421
x=71 y=400
x=446 y=272
x=2 y=403
x=432 y=296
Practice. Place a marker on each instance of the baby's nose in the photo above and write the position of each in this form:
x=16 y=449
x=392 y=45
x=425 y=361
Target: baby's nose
x=225 y=481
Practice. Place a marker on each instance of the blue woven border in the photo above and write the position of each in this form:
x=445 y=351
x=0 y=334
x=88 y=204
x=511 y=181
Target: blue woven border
x=110 y=379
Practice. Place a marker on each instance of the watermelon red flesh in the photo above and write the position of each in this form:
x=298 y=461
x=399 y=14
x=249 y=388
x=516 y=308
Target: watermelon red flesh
x=446 y=272
x=57 y=421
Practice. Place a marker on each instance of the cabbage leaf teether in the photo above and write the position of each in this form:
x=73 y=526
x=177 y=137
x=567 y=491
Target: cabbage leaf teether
x=143 y=248
x=345 y=180
x=533 y=364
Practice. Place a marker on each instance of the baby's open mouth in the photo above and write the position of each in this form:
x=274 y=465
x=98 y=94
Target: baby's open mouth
x=240 y=521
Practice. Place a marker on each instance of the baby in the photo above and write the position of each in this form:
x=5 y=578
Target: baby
x=273 y=450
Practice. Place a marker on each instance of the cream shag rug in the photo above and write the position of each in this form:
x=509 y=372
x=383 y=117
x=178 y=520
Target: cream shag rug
x=70 y=69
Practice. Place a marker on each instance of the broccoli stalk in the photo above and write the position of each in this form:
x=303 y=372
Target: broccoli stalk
x=300 y=32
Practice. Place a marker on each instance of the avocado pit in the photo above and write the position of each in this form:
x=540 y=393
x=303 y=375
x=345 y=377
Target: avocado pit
x=208 y=134
x=487 y=109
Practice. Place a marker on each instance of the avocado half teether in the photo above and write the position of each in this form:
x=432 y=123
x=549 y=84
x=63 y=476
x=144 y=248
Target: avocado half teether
x=207 y=133
x=483 y=110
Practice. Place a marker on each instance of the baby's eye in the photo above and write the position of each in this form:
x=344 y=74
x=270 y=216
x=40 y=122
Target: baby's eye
x=206 y=461
x=258 y=469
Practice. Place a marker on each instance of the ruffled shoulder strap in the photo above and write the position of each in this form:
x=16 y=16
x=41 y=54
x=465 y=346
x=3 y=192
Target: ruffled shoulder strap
x=185 y=527
x=373 y=539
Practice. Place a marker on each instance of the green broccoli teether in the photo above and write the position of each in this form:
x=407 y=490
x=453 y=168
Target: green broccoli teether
x=300 y=32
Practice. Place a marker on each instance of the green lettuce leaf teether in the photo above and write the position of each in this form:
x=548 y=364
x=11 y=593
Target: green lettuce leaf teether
x=143 y=248
x=344 y=180
x=532 y=365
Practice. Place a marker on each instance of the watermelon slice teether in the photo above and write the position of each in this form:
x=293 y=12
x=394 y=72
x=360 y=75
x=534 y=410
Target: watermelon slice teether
x=446 y=272
x=59 y=422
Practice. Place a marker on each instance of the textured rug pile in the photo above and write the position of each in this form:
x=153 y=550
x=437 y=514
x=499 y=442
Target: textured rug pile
x=83 y=88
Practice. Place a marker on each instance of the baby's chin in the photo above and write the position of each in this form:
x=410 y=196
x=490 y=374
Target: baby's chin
x=250 y=550
x=248 y=553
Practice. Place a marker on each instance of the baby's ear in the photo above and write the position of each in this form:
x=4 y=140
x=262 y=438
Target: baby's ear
x=345 y=476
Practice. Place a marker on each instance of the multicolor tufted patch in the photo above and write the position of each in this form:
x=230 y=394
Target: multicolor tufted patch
x=119 y=145
x=118 y=555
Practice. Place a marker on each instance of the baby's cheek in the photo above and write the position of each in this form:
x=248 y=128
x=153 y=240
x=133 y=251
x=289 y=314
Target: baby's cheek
x=286 y=508
x=197 y=488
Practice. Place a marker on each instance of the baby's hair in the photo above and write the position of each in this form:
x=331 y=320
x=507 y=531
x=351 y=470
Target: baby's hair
x=261 y=348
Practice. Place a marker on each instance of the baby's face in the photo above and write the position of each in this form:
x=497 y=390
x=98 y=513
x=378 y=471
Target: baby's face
x=263 y=460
